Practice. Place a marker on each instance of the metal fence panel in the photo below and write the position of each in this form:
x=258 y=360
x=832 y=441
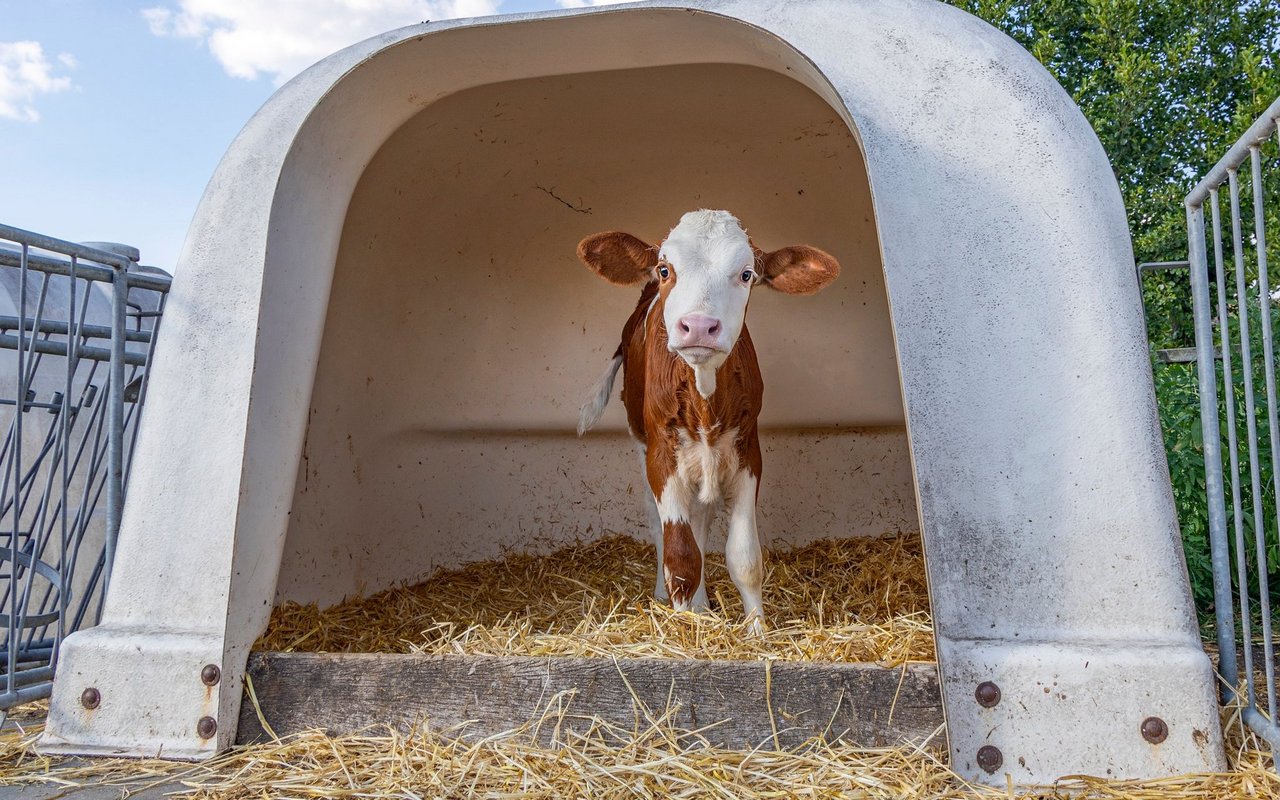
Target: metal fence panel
x=77 y=328
x=1257 y=519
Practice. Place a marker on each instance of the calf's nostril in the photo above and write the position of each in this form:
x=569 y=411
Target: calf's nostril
x=714 y=329
x=684 y=326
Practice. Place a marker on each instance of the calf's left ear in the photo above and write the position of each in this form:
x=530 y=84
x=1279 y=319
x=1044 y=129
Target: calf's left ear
x=797 y=270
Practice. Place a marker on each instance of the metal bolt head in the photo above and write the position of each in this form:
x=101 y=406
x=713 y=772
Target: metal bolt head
x=1154 y=730
x=210 y=675
x=90 y=698
x=990 y=758
x=987 y=694
x=207 y=727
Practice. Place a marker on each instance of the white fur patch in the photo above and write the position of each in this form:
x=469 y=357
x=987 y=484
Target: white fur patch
x=709 y=251
x=705 y=468
x=704 y=379
x=704 y=471
x=742 y=546
x=674 y=502
x=742 y=549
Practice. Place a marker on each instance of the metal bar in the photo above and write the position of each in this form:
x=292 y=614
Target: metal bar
x=37 y=652
x=1206 y=369
x=72 y=363
x=50 y=347
x=90 y=591
x=1273 y=424
x=1251 y=427
x=26 y=677
x=33 y=239
x=86 y=331
x=30 y=404
x=15 y=464
x=27 y=695
x=1258 y=131
x=1152 y=266
x=90 y=439
x=151 y=282
x=53 y=266
x=1225 y=622
x=1262 y=726
x=115 y=421
x=56 y=266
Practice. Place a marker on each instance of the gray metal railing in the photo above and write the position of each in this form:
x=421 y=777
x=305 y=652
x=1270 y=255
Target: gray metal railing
x=77 y=329
x=1252 y=295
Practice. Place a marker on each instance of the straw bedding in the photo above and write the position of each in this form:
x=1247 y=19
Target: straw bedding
x=652 y=761
x=850 y=600
x=858 y=599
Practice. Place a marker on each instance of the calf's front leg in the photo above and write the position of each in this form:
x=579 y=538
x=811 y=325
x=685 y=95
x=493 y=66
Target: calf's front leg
x=655 y=529
x=681 y=556
x=742 y=549
x=701 y=516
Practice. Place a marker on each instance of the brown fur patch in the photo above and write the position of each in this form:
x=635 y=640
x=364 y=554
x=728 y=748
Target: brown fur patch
x=682 y=560
x=662 y=399
x=619 y=258
x=797 y=270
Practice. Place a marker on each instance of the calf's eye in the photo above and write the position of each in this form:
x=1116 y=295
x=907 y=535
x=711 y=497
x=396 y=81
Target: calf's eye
x=664 y=271
x=747 y=276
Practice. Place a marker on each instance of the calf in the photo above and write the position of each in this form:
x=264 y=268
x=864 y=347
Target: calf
x=692 y=387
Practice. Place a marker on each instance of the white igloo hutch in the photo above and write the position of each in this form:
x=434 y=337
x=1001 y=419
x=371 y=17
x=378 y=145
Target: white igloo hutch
x=379 y=335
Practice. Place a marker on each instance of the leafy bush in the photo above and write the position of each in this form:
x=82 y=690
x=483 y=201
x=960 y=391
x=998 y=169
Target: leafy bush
x=1177 y=393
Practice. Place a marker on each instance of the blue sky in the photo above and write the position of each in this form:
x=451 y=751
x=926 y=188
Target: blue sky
x=114 y=113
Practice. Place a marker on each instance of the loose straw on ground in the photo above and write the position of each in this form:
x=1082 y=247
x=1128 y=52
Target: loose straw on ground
x=848 y=600
x=652 y=760
x=833 y=600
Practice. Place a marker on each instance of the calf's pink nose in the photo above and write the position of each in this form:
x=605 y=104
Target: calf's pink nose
x=698 y=330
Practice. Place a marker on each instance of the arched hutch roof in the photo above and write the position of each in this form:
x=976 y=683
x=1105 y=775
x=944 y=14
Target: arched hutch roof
x=1012 y=316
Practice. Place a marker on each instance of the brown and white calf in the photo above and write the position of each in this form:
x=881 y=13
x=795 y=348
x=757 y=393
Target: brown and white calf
x=692 y=387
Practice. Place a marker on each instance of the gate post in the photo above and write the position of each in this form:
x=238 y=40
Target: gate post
x=1206 y=371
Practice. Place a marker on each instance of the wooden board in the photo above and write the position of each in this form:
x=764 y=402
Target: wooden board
x=862 y=704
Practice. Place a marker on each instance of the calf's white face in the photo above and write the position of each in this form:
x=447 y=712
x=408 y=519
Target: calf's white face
x=709 y=266
x=705 y=269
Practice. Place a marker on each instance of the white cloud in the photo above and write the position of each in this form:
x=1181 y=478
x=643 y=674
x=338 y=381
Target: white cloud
x=588 y=3
x=281 y=38
x=25 y=73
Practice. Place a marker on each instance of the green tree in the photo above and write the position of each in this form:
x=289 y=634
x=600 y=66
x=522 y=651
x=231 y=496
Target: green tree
x=1168 y=86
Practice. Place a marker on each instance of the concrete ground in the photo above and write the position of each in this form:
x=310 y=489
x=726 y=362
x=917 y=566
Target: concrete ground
x=149 y=788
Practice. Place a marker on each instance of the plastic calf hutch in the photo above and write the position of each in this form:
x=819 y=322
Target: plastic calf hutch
x=379 y=336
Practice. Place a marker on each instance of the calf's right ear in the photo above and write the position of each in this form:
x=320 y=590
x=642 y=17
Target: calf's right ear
x=619 y=258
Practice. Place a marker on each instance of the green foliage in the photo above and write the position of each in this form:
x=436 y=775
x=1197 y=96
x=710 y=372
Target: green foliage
x=1168 y=86
x=1179 y=400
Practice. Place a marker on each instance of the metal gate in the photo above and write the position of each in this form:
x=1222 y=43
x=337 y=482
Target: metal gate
x=1242 y=318
x=77 y=329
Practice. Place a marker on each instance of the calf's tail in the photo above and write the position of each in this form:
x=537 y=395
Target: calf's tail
x=599 y=395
